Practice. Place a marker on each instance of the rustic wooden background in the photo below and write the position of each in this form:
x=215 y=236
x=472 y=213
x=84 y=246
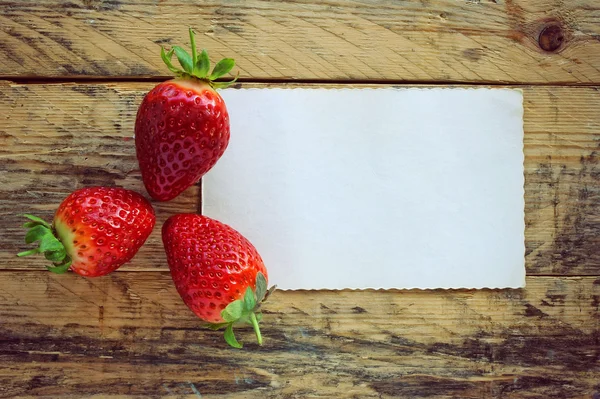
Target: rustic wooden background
x=71 y=77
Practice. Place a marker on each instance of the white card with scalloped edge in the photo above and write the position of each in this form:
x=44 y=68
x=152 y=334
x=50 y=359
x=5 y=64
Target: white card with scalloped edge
x=376 y=188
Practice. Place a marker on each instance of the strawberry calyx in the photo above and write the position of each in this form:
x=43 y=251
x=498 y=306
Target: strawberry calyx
x=245 y=311
x=52 y=248
x=197 y=65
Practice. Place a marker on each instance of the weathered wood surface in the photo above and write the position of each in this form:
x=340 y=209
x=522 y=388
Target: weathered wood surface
x=547 y=41
x=129 y=335
x=56 y=137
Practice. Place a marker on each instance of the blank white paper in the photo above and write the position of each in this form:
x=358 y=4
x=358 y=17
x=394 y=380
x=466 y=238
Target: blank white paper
x=376 y=188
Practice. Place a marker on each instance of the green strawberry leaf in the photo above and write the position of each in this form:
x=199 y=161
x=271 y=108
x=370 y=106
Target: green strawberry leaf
x=249 y=300
x=166 y=57
x=233 y=311
x=216 y=326
x=261 y=287
x=50 y=243
x=56 y=256
x=269 y=292
x=222 y=67
x=60 y=269
x=184 y=59
x=36 y=233
x=29 y=225
x=202 y=65
x=36 y=219
x=223 y=85
x=230 y=337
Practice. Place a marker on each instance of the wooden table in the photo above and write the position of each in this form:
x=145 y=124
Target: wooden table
x=72 y=75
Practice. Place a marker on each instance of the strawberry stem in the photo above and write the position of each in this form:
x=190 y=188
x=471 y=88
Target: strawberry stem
x=194 y=50
x=198 y=65
x=256 y=328
x=245 y=310
x=49 y=244
x=30 y=252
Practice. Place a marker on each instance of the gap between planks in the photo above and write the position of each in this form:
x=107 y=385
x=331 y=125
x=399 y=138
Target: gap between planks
x=34 y=80
x=155 y=270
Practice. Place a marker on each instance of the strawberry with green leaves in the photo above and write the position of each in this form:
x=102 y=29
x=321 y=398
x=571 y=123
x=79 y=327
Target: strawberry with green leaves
x=95 y=230
x=182 y=125
x=218 y=273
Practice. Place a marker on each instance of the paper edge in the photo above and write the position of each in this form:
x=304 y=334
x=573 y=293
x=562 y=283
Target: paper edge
x=370 y=289
x=522 y=128
x=362 y=87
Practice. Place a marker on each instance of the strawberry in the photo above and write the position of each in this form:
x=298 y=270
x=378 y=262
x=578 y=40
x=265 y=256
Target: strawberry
x=182 y=125
x=95 y=230
x=218 y=273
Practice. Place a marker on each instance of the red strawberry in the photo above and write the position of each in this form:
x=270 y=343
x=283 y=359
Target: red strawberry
x=218 y=273
x=95 y=230
x=182 y=125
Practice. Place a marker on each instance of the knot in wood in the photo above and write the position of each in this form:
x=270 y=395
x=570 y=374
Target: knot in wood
x=551 y=37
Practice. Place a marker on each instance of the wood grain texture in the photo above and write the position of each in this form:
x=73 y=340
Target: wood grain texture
x=56 y=137
x=130 y=335
x=415 y=40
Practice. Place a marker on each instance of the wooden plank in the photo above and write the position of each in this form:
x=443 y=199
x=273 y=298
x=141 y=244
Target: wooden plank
x=418 y=41
x=56 y=137
x=130 y=335
x=562 y=180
